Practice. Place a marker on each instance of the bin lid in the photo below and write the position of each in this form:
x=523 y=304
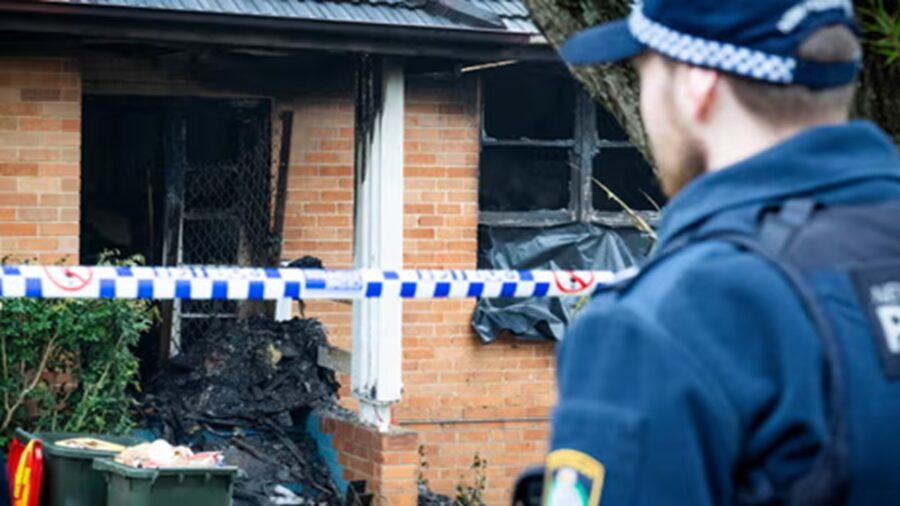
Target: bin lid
x=144 y=473
x=51 y=438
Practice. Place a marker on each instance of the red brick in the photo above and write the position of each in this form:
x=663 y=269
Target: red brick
x=18 y=169
x=420 y=233
x=336 y=170
x=9 y=229
x=71 y=96
x=58 y=229
x=70 y=155
x=18 y=199
x=398 y=471
x=38 y=244
x=60 y=109
x=39 y=214
x=420 y=158
x=322 y=157
x=430 y=221
x=38 y=184
x=39 y=154
x=337 y=196
x=336 y=145
x=71 y=125
x=69 y=214
x=40 y=125
x=400 y=442
x=71 y=184
x=60 y=169
x=20 y=109
x=41 y=94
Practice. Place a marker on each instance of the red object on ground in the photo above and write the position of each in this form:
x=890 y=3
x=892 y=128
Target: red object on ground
x=12 y=461
x=27 y=465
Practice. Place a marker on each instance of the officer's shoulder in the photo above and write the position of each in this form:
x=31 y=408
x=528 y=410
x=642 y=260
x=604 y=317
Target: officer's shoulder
x=701 y=270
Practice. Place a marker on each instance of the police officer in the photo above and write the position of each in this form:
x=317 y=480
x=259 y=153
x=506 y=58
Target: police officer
x=756 y=357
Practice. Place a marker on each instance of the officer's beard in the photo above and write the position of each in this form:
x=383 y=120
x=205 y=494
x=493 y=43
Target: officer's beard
x=680 y=157
x=688 y=163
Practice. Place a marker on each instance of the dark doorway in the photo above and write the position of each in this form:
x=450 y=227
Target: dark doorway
x=180 y=182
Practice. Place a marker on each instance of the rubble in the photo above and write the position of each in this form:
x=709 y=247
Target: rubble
x=245 y=388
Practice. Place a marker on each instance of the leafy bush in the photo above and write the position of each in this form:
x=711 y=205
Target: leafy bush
x=67 y=364
x=881 y=22
x=473 y=494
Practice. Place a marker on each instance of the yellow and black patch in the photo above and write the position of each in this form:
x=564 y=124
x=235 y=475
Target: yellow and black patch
x=573 y=479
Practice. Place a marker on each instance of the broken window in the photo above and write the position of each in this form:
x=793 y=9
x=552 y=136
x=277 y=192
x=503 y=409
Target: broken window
x=540 y=180
x=526 y=103
x=526 y=150
x=544 y=141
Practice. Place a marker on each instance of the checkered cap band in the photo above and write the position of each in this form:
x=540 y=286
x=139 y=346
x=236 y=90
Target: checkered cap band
x=710 y=53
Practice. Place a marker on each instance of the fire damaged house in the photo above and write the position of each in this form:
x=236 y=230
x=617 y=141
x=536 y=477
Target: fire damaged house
x=439 y=134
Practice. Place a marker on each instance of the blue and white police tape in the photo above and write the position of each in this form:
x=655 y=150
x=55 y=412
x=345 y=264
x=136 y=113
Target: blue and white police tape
x=204 y=283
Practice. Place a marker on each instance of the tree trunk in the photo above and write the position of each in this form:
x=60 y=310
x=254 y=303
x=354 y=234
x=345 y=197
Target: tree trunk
x=615 y=86
x=878 y=97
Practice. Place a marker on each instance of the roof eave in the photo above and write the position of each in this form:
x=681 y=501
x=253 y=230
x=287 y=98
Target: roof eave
x=156 y=25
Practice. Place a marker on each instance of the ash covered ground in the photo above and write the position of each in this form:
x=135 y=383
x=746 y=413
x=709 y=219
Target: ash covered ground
x=245 y=388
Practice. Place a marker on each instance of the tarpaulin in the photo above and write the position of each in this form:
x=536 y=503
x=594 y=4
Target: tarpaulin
x=577 y=246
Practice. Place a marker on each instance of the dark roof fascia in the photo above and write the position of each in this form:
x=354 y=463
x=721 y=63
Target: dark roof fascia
x=205 y=29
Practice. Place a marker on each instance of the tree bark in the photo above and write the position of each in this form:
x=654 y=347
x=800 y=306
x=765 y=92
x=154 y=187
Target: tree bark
x=878 y=97
x=616 y=86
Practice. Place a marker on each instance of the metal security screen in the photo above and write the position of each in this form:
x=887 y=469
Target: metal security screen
x=179 y=181
x=223 y=150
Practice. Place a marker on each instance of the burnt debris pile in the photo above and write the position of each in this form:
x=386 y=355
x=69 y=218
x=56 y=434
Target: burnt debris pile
x=247 y=388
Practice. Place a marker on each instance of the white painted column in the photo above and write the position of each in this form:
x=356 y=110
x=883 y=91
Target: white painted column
x=377 y=323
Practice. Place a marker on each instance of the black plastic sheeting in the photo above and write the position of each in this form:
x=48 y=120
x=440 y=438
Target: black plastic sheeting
x=577 y=246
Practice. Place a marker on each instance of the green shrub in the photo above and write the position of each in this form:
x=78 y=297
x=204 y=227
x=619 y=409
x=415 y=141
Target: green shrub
x=881 y=23
x=473 y=494
x=67 y=364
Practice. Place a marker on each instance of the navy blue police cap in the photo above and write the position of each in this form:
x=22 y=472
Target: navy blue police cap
x=757 y=39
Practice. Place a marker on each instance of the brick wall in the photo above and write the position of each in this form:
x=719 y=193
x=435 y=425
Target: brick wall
x=319 y=205
x=388 y=462
x=462 y=397
x=40 y=135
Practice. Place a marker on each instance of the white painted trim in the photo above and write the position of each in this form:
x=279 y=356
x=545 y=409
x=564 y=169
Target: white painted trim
x=377 y=324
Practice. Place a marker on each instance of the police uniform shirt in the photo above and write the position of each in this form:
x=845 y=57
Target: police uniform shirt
x=706 y=362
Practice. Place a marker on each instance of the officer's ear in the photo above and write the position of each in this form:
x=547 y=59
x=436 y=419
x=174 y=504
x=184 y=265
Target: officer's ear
x=697 y=88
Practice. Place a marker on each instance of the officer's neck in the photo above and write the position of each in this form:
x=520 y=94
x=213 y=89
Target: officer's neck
x=745 y=138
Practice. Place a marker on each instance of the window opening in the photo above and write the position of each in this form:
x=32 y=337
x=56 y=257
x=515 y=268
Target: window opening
x=524 y=178
x=522 y=102
x=543 y=143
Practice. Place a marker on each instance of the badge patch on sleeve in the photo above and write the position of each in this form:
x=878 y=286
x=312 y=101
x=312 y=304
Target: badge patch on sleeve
x=879 y=292
x=573 y=479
